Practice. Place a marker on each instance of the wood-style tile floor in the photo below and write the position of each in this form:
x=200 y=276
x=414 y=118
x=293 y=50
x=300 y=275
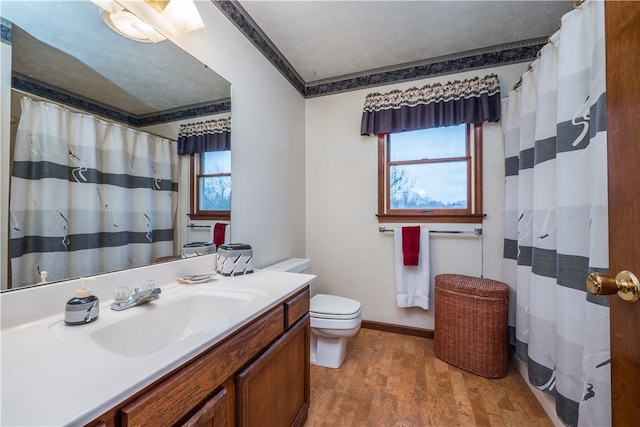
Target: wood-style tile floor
x=390 y=379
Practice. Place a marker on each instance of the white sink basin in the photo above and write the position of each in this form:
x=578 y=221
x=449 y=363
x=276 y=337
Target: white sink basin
x=143 y=330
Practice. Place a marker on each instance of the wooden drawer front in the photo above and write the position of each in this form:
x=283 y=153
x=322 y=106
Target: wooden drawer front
x=212 y=414
x=296 y=307
x=172 y=399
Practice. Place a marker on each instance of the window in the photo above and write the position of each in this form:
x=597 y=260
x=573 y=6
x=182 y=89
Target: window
x=431 y=175
x=211 y=185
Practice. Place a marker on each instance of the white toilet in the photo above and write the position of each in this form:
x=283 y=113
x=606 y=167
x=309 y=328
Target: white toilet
x=333 y=319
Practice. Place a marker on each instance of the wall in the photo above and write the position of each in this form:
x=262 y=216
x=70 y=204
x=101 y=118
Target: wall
x=348 y=253
x=267 y=156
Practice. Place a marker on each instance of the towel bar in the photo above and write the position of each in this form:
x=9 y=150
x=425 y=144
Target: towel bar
x=475 y=231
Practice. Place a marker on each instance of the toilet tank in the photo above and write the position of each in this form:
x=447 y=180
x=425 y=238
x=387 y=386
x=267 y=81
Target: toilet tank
x=292 y=265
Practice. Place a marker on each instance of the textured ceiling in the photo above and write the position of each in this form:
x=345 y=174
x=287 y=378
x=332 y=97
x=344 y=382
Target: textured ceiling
x=329 y=39
x=67 y=45
x=321 y=41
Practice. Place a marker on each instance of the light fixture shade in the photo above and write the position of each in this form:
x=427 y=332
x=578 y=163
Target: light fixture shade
x=127 y=24
x=183 y=14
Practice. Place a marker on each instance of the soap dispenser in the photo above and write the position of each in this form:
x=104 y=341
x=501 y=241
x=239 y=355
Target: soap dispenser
x=83 y=308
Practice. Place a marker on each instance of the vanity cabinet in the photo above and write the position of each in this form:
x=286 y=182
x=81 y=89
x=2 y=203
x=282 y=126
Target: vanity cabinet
x=257 y=376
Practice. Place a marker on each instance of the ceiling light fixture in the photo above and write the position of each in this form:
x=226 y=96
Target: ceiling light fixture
x=127 y=24
x=183 y=14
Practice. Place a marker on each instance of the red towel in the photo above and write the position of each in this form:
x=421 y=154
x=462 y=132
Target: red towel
x=218 y=233
x=411 y=244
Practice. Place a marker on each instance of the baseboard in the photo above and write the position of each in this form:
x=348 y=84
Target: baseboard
x=398 y=329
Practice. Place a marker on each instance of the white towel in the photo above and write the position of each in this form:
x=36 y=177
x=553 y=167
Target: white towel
x=412 y=281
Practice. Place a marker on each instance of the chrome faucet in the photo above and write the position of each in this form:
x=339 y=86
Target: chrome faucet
x=138 y=297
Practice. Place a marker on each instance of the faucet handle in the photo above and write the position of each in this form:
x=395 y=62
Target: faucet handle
x=149 y=284
x=121 y=293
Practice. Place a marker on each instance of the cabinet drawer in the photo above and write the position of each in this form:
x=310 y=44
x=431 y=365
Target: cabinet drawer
x=212 y=414
x=296 y=307
x=170 y=400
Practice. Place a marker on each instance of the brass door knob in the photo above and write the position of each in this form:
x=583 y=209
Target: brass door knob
x=625 y=284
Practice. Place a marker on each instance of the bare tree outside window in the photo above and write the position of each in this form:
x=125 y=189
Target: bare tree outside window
x=211 y=176
x=430 y=173
x=215 y=193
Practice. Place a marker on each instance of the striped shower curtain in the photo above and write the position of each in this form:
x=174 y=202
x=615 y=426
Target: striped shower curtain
x=556 y=226
x=87 y=195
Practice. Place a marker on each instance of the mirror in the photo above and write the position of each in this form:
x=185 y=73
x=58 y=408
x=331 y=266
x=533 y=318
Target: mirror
x=64 y=52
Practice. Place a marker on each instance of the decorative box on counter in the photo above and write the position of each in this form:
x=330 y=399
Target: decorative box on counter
x=234 y=259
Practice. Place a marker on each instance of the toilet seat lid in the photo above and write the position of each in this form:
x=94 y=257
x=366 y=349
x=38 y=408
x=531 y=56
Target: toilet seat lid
x=328 y=306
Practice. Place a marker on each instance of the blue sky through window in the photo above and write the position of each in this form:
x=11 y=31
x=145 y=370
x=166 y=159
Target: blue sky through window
x=217 y=162
x=429 y=185
x=215 y=192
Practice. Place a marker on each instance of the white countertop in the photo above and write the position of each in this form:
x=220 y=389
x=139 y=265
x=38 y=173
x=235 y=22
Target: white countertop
x=47 y=379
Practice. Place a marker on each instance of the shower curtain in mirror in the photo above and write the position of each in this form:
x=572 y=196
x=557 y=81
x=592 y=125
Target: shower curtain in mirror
x=556 y=225
x=87 y=195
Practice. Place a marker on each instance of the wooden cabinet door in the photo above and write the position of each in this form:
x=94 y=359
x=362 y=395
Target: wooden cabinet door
x=274 y=390
x=212 y=414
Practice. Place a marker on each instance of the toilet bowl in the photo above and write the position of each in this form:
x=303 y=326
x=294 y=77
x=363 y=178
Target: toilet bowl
x=333 y=319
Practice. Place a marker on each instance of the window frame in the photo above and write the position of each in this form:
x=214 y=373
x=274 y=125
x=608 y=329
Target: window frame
x=473 y=214
x=195 y=166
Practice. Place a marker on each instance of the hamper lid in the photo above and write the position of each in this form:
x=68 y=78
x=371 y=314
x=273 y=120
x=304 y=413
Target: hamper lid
x=472 y=285
x=333 y=305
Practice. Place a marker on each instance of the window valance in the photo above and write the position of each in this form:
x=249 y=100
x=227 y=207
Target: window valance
x=211 y=135
x=474 y=100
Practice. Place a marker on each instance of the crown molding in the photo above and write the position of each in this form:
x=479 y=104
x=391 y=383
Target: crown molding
x=252 y=31
x=5 y=31
x=522 y=51
x=451 y=64
x=35 y=87
x=483 y=52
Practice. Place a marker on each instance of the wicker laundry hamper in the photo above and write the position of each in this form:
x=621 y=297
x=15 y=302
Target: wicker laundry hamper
x=471 y=324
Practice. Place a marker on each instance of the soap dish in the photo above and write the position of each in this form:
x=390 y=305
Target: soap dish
x=197 y=278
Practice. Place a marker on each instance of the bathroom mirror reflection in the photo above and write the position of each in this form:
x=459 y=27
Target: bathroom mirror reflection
x=64 y=54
